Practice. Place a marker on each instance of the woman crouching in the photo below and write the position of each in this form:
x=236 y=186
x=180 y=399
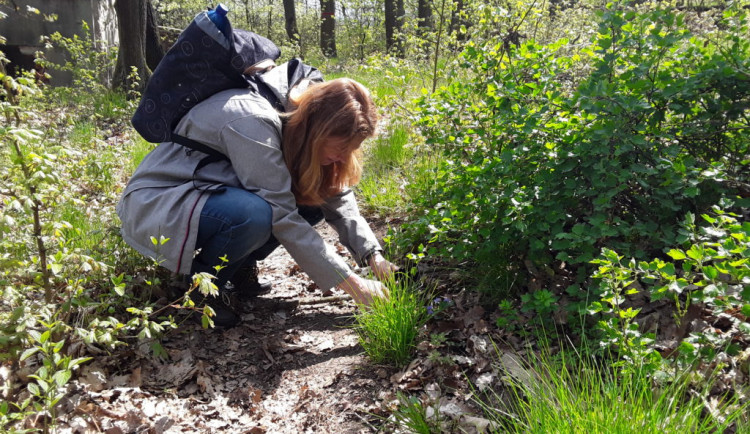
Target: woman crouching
x=283 y=173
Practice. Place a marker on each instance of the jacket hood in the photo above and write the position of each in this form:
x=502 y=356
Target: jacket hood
x=276 y=85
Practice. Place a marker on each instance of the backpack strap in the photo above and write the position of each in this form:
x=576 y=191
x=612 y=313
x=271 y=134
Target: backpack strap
x=212 y=155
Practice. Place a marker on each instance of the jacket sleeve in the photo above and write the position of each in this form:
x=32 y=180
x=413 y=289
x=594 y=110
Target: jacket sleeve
x=253 y=145
x=341 y=212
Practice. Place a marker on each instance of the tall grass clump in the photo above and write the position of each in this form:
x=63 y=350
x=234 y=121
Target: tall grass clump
x=388 y=328
x=576 y=394
x=391 y=149
x=387 y=156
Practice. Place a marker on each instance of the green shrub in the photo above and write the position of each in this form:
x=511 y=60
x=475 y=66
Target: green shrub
x=540 y=165
x=711 y=271
x=58 y=290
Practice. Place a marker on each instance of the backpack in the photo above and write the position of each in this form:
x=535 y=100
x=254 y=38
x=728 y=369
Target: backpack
x=202 y=62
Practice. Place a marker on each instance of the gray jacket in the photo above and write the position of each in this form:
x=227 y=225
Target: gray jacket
x=165 y=195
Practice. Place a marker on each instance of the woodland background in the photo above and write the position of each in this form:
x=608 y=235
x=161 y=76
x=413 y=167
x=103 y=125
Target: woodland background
x=566 y=185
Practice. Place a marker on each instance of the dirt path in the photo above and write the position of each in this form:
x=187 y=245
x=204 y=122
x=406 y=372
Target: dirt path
x=287 y=368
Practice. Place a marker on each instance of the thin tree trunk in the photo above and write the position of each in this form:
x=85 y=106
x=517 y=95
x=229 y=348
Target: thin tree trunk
x=328 y=27
x=457 y=20
x=269 y=31
x=247 y=15
x=394 y=17
x=424 y=16
x=400 y=14
x=131 y=20
x=290 y=21
x=154 y=48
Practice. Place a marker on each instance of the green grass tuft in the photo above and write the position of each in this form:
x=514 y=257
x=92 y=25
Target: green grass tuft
x=576 y=394
x=388 y=329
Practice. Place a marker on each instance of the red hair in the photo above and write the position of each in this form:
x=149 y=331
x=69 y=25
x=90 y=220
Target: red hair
x=340 y=109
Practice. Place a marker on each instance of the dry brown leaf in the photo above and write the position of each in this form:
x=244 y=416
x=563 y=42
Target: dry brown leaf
x=135 y=380
x=473 y=315
x=204 y=384
x=93 y=376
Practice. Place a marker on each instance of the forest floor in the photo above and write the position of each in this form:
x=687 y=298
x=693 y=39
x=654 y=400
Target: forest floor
x=293 y=365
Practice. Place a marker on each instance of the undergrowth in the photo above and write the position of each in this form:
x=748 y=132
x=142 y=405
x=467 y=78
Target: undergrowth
x=573 y=393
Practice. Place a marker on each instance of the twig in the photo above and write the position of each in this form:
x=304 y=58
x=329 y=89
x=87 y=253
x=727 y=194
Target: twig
x=319 y=300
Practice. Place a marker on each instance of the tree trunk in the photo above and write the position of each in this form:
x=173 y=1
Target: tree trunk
x=131 y=20
x=269 y=22
x=394 y=18
x=457 y=20
x=328 y=27
x=290 y=21
x=424 y=16
x=154 y=48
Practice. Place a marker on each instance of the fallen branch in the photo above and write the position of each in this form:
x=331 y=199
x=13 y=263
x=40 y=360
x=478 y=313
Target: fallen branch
x=319 y=300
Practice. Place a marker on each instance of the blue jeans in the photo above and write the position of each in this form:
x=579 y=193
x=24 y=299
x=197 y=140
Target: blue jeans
x=237 y=224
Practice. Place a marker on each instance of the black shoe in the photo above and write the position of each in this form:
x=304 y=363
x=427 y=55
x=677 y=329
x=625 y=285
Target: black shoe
x=224 y=315
x=246 y=285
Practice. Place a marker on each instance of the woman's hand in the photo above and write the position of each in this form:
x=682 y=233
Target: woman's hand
x=363 y=291
x=382 y=268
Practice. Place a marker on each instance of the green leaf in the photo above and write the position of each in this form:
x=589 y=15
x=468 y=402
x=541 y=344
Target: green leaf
x=695 y=252
x=34 y=389
x=78 y=361
x=595 y=307
x=710 y=272
x=28 y=353
x=35 y=335
x=629 y=313
x=677 y=254
x=206 y=321
x=43 y=385
x=692 y=191
x=746 y=310
x=687 y=348
x=55 y=268
x=667 y=269
x=62 y=377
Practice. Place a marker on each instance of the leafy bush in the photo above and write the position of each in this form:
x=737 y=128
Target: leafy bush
x=59 y=291
x=712 y=272
x=542 y=166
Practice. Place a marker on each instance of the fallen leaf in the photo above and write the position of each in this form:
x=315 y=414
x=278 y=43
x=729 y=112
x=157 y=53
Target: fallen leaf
x=204 y=384
x=93 y=376
x=473 y=315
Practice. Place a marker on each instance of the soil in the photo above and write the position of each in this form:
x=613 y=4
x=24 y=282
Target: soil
x=293 y=365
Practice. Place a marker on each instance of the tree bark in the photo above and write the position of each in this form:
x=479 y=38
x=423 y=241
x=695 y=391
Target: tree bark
x=424 y=16
x=457 y=20
x=154 y=47
x=394 y=18
x=328 y=27
x=290 y=21
x=131 y=20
